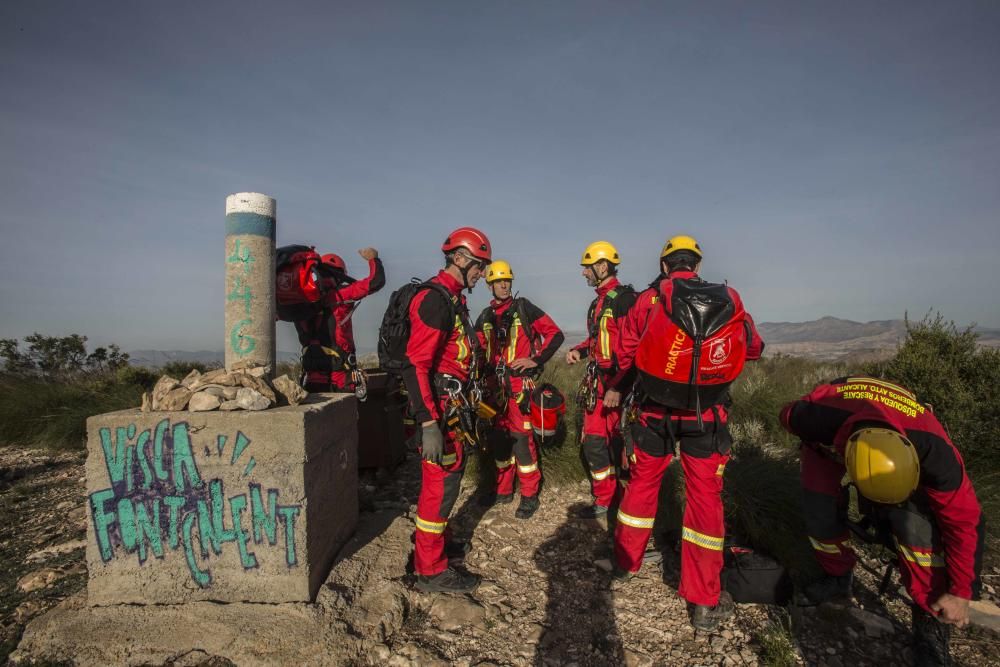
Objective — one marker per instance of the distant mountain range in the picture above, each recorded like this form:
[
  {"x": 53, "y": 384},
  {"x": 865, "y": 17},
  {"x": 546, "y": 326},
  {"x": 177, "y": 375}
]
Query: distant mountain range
[
  {"x": 831, "y": 338},
  {"x": 828, "y": 338},
  {"x": 157, "y": 358}
]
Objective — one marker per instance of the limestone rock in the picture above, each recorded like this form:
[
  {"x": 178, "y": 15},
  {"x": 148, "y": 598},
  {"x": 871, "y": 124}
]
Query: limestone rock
[
  {"x": 250, "y": 399},
  {"x": 147, "y": 402},
  {"x": 175, "y": 399},
  {"x": 290, "y": 389},
  {"x": 191, "y": 379},
  {"x": 204, "y": 401},
  {"x": 220, "y": 376},
  {"x": 163, "y": 386},
  {"x": 875, "y": 625},
  {"x": 258, "y": 385},
  {"x": 637, "y": 659},
  {"x": 34, "y": 581},
  {"x": 228, "y": 406},
  {"x": 985, "y": 614},
  {"x": 452, "y": 613},
  {"x": 56, "y": 550}
]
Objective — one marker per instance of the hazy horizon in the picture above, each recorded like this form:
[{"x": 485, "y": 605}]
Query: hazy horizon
[{"x": 835, "y": 160}]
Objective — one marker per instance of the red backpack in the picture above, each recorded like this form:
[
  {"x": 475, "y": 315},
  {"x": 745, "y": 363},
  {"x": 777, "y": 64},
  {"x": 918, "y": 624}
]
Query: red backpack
[
  {"x": 299, "y": 285},
  {"x": 690, "y": 353}
]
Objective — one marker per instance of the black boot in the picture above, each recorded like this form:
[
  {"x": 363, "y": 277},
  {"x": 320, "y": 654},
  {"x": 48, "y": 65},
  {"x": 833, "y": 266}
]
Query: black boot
[
  {"x": 449, "y": 581},
  {"x": 708, "y": 619},
  {"x": 931, "y": 640},
  {"x": 829, "y": 588},
  {"x": 456, "y": 550},
  {"x": 592, "y": 512},
  {"x": 528, "y": 506}
]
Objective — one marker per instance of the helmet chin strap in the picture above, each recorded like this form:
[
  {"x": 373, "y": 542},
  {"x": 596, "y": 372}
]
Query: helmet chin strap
[
  {"x": 593, "y": 273},
  {"x": 464, "y": 270}
]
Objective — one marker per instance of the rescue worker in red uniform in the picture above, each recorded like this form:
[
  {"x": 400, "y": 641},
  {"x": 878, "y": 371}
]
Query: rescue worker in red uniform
[
  {"x": 910, "y": 479},
  {"x": 650, "y": 446},
  {"x": 600, "y": 422},
  {"x": 519, "y": 338},
  {"x": 441, "y": 349},
  {"x": 328, "y": 349}
]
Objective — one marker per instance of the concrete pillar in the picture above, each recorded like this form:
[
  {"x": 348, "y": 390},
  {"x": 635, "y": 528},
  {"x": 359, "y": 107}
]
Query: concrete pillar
[{"x": 250, "y": 305}]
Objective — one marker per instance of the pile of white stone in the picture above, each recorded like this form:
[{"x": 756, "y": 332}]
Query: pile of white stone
[{"x": 243, "y": 387}]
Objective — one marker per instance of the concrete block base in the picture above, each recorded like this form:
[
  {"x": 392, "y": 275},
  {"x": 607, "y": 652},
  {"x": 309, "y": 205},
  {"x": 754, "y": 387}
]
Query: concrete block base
[{"x": 225, "y": 506}]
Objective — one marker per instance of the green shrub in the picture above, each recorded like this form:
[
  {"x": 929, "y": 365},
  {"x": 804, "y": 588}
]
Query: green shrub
[
  {"x": 180, "y": 369},
  {"x": 38, "y": 413},
  {"x": 947, "y": 368}
]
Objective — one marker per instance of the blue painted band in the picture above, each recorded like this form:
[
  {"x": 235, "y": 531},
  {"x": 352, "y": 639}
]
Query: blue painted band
[{"x": 239, "y": 224}]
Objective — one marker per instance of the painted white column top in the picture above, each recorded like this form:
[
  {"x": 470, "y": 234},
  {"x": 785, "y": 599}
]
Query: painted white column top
[{"x": 251, "y": 202}]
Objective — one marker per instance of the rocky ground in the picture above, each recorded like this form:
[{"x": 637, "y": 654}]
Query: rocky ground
[{"x": 545, "y": 599}]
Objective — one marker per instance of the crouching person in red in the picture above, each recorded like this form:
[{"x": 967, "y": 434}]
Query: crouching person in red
[
  {"x": 441, "y": 351},
  {"x": 911, "y": 482},
  {"x": 519, "y": 338},
  {"x": 700, "y": 333}
]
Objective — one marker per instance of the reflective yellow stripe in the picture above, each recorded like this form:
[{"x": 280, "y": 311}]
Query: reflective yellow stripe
[
  {"x": 505, "y": 464},
  {"x": 446, "y": 460},
  {"x": 605, "y": 338},
  {"x": 825, "y": 547},
  {"x": 431, "y": 526},
  {"x": 888, "y": 385},
  {"x": 463, "y": 350},
  {"x": 635, "y": 521},
  {"x": 488, "y": 334},
  {"x": 515, "y": 327},
  {"x": 921, "y": 558},
  {"x": 721, "y": 469},
  {"x": 326, "y": 350},
  {"x": 603, "y": 474},
  {"x": 524, "y": 470},
  {"x": 526, "y": 425},
  {"x": 702, "y": 540}
]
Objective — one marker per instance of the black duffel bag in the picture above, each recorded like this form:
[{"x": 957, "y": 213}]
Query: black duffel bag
[{"x": 755, "y": 577}]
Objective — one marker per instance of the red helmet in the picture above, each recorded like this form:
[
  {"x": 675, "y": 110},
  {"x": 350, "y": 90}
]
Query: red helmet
[
  {"x": 472, "y": 240},
  {"x": 335, "y": 261}
]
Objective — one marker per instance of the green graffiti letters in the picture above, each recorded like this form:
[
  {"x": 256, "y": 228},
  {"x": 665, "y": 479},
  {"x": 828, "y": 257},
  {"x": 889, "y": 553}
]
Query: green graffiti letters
[{"x": 158, "y": 502}]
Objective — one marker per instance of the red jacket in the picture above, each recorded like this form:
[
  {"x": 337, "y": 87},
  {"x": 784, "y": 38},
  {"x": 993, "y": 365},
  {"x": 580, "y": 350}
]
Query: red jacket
[
  {"x": 332, "y": 327},
  {"x": 604, "y": 324},
  {"x": 832, "y": 412},
  {"x": 437, "y": 344},
  {"x": 634, "y": 324},
  {"x": 539, "y": 342}
]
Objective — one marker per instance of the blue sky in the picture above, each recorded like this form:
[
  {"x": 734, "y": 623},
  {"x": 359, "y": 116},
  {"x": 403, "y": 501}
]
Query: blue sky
[{"x": 833, "y": 159}]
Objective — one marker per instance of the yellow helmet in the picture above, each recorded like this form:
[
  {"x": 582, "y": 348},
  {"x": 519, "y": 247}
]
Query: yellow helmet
[
  {"x": 499, "y": 270},
  {"x": 597, "y": 251},
  {"x": 882, "y": 464},
  {"x": 680, "y": 243}
]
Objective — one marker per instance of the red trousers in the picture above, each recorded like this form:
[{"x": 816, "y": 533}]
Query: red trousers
[
  {"x": 600, "y": 429},
  {"x": 439, "y": 487},
  {"x": 515, "y": 449},
  {"x": 914, "y": 529},
  {"x": 703, "y": 456}
]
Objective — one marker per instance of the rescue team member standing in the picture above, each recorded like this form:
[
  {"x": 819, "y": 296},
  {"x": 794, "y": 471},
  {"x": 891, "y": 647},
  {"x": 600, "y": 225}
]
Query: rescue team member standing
[
  {"x": 441, "y": 349},
  {"x": 704, "y": 452},
  {"x": 600, "y": 422},
  {"x": 911, "y": 480},
  {"x": 328, "y": 349},
  {"x": 519, "y": 339}
]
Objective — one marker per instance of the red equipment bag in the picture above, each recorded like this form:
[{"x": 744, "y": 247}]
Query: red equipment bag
[
  {"x": 298, "y": 282},
  {"x": 692, "y": 351},
  {"x": 548, "y": 405}
]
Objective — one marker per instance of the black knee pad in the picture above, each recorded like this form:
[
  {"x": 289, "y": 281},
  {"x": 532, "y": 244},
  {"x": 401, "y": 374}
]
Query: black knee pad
[
  {"x": 522, "y": 452},
  {"x": 595, "y": 450}
]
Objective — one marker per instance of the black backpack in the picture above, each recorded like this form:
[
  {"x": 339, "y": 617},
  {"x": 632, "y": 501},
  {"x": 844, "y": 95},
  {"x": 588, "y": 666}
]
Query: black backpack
[
  {"x": 394, "y": 332},
  {"x": 754, "y": 577}
]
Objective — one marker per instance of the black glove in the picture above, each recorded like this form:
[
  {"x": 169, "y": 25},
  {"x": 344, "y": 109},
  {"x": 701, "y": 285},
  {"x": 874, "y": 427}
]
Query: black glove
[{"x": 433, "y": 443}]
